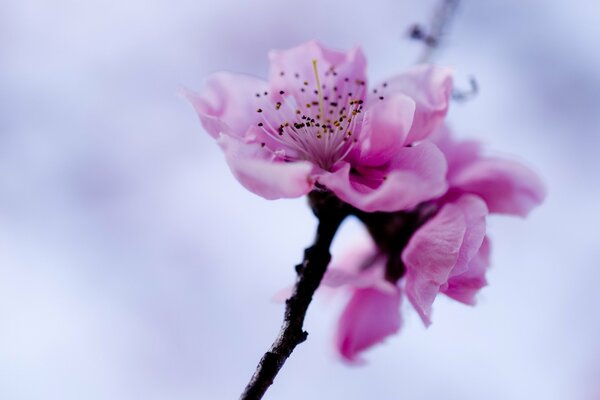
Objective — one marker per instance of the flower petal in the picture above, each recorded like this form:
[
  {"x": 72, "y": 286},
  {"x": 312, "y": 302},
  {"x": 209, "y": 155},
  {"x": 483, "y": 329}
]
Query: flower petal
[
  {"x": 416, "y": 174},
  {"x": 443, "y": 248},
  {"x": 430, "y": 256},
  {"x": 459, "y": 154},
  {"x": 260, "y": 172},
  {"x": 297, "y": 67},
  {"x": 369, "y": 317},
  {"x": 506, "y": 186},
  {"x": 475, "y": 212},
  {"x": 465, "y": 286},
  {"x": 385, "y": 128},
  {"x": 430, "y": 87},
  {"x": 227, "y": 103}
]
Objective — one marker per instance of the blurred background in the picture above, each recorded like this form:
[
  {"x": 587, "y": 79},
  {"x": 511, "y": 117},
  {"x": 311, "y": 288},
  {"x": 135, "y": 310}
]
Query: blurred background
[{"x": 134, "y": 266}]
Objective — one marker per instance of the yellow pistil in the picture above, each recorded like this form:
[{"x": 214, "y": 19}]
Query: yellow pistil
[{"x": 314, "y": 62}]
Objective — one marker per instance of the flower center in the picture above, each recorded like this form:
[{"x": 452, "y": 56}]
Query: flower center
[{"x": 314, "y": 123}]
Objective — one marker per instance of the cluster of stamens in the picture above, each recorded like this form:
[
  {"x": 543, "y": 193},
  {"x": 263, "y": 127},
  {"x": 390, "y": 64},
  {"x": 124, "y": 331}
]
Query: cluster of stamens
[{"x": 317, "y": 122}]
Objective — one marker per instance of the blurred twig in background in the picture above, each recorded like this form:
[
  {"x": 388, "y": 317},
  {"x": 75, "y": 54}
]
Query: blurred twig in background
[{"x": 434, "y": 36}]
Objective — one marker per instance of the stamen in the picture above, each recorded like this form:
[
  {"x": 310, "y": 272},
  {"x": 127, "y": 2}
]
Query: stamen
[
  {"x": 317, "y": 123},
  {"x": 314, "y": 62}
]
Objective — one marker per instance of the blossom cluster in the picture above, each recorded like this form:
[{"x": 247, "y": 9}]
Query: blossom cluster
[{"x": 315, "y": 124}]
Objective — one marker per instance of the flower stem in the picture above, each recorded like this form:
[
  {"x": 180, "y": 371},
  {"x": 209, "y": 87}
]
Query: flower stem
[{"x": 330, "y": 212}]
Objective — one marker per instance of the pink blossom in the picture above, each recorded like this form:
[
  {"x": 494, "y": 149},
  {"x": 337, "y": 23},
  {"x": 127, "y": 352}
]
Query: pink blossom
[
  {"x": 315, "y": 124},
  {"x": 448, "y": 253}
]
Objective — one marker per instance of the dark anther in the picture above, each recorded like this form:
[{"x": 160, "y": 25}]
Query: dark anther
[
  {"x": 259, "y": 110},
  {"x": 281, "y": 92},
  {"x": 260, "y": 124}
]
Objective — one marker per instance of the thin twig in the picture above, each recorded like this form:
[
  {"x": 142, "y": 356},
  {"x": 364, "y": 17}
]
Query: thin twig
[
  {"x": 330, "y": 212},
  {"x": 440, "y": 23}
]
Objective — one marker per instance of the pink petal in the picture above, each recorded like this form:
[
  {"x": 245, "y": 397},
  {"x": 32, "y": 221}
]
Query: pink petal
[
  {"x": 459, "y": 154},
  {"x": 430, "y": 255},
  {"x": 227, "y": 103},
  {"x": 415, "y": 174},
  {"x": 443, "y": 248},
  {"x": 465, "y": 286},
  {"x": 506, "y": 186},
  {"x": 385, "y": 128},
  {"x": 475, "y": 212},
  {"x": 369, "y": 317},
  {"x": 258, "y": 170},
  {"x": 298, "y": 60},
  {"x": 430, "y": 87}
]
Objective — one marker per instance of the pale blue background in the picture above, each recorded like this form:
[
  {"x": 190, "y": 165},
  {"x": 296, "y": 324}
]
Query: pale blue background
[{"x": 133, "y": 266}]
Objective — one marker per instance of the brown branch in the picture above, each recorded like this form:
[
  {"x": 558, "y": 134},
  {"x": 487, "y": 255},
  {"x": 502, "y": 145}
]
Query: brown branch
[
  {"x": 331, "y": 212},
  {"x": 434, "y": 36}
]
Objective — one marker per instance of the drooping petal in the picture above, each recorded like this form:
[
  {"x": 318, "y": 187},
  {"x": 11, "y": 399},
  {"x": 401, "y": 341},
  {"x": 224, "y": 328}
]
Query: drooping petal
[
  {"x": 291, "y": 68},
  {"x": 465, "y": 286},
  {"x": 369, "y": 317},
  {"x": 506, "y": 186},
  {"x": 259, "y": 171},
  {"x": 430, "y": 255},
  {"x": 416, "y": 174},
  {"x": 430, "y": 87},
  {"x": 475, "y": 212},
  {"x": 443, "y": 248},
  {"x": 227, "y": 103},
  {"x": 384, "y": 129}
]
